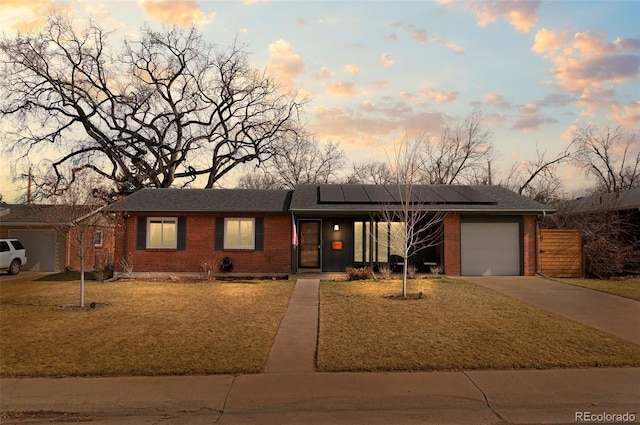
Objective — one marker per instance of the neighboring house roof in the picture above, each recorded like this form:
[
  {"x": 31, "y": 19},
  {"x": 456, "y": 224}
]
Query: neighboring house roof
[
  {"x": 368, "y": 198},
  {"x": 616, "y": 201},
  {"x": 33, "y": 215},
  {"x": 204, "y": 201}
]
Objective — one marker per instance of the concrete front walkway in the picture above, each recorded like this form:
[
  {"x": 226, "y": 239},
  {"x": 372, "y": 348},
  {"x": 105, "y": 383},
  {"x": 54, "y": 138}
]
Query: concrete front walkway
[
  {"x": 294, "y": 348},
  {"x": 610, "y": 313}
]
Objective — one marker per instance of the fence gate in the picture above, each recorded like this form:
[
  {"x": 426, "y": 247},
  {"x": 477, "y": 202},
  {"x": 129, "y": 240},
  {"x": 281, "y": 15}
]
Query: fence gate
[{"x": 560, "y": 253}]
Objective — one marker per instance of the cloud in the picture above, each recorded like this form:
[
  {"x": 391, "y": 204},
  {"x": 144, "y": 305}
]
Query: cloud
[
  {"x": 530, "y": 118},
  {"x": 21, "y": 15},
  {"x": 371, "y": 124},
  {"x": 324, "y": 74},
  {"x": 300, "y": 22},
  {"x": 183, "y": 13},
  {"x": 341, "y": 89},
  {"x": 352, "y": 69},
  {"x": 588, "y": 66},
  {"x": 498, "y": 100},
  {"x": 418, "y": 35},
  {"x": 385, "y": 61},
  {"x": 391, "y": 37},
  {"x": 549, "y": 41},
  {"x": 628, "y": 115},
  {"x": 521, "y": 14},
  {"x": 284, "y": 63},
  {"x": 455, "y": 48},
  {"x": 429, "y": 94}
]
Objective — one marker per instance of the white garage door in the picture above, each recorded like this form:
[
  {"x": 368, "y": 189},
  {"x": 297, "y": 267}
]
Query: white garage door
[
  {"x": 41, "y": 248},
  {"x": 490, "y": 249}
]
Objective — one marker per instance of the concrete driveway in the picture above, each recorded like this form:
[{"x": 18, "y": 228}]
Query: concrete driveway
[{"x": 610, "y": 313}]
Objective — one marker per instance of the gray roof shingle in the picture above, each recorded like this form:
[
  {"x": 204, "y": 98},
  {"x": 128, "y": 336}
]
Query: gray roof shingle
[
  {"x": 205, "y": 201},
  {"x": 617, "y": 201}
]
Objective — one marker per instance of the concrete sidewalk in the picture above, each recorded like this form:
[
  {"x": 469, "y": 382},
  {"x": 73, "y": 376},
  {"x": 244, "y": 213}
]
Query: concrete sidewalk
[
  {"x": 610, "y": 313},
  {"x": 474, "y": 397}
]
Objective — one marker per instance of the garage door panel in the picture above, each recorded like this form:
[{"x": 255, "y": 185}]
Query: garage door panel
[
  {"x": 40, "y": 247},
  {"x": 490, "y": 249}
]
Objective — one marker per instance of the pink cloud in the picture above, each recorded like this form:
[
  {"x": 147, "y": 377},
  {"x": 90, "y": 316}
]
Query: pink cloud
[
  {"x": 386, "y": 61},
  {"x": 25, "y": 15},
  {"x": 284, "y": 63},
  {"x": 531, "y": 119},
  {"x": 183, "y": 13},
  {"x": 352, "y": 69},
  {"x": 521, "y": 14},
  {"x": 341, "y": 89}
]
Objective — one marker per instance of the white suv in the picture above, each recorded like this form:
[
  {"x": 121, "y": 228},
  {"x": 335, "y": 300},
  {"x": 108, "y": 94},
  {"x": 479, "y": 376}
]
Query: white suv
[{"x": 12, "y": 255}]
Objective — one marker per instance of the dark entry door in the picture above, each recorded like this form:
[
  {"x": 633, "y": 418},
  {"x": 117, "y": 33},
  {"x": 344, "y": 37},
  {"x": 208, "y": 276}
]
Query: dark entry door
[{"x": 310, "y": 243}]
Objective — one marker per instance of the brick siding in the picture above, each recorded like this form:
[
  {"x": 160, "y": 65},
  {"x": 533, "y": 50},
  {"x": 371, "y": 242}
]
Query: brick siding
[
  {"x": 452, "y": 264},
  {"x": 200, "y": 243}
]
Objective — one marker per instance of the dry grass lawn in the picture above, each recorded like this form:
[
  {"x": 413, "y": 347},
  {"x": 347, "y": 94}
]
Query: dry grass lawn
[
  {"x": 627, "y": 287},
  {"x": 146, "y": 328},
  {"x": 457, "y": 325}
]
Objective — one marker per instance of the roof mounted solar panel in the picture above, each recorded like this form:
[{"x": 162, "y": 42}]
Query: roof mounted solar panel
[
  {"x": 379, "y": 194},
  {"x": 330, "y": 194},
  {"x": 355, "y": 193},
  {"x": 426, "y": 195},
  {"x": 448, "y": 195},
  {"x": 473, "y": 196}
]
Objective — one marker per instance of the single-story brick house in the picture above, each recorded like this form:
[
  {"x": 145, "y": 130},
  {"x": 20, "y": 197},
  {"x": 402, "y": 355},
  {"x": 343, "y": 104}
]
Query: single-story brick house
[
  {"x": 321, "y": 228},
  {"x": 44, "y": 231}
]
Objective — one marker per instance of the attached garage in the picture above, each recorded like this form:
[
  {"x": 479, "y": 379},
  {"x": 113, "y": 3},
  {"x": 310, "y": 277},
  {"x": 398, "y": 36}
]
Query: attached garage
[
  {"x": 490, "y": 248},
  {"x": 40, "y": 246}
]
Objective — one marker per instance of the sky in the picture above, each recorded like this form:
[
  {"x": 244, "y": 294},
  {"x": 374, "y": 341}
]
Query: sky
[{"x": 374, "y": 71}]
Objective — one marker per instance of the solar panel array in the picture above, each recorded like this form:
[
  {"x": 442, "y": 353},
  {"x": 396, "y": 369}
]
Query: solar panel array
[{"x": 390, "y": 194}]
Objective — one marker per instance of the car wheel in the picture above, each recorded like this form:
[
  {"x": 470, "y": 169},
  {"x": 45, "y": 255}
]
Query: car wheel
[{"x": 14, "y": 268}]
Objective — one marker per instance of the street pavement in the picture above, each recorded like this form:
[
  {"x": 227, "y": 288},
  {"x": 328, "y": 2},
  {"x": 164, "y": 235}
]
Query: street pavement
[{"x": 289, "y": 392}]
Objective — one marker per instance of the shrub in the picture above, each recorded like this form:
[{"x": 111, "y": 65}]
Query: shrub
[
  {"x": 385, "y": 271},
  {"x": 359, "y": 273}
]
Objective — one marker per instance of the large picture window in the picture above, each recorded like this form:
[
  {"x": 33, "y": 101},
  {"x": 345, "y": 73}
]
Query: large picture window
[
  {"x": 377, "y": 241},
  {"x": 162, "y": 232},
  {"x": 239, "y": 233}
]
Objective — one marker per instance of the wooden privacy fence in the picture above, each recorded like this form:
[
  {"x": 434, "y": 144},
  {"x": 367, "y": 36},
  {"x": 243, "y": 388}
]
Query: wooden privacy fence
[{"x": 560, "y": 253}]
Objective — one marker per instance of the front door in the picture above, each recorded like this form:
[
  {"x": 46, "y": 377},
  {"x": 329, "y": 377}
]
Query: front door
[{"x": 310, "y": 243}]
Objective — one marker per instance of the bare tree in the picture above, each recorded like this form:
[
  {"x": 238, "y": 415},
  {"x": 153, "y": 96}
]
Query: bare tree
[
  {"x": 538, "y": 179},
  {"x": 298, "y": 160},
  {"x": 416, "y": 224},
  {"x": 78, "y": 215},
  {"x": 610, "y": 155},
  {"x": 164, "y": 109},
  {"x": 370, "y": 172},
  {"x": 460, "y": 154}
]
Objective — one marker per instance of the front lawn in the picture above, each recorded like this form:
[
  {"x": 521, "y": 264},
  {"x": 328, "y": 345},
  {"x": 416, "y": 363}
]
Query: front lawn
[
  {"x": 145, "y": 328},
  {"x": 456, "y": 325},
  {"x": 627, "y": 287}
]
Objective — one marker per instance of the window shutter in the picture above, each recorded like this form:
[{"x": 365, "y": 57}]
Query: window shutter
[
  {"x": 182, "y": 234},
  {"x": 141, "y": 237},
  {"x": 219, "y": 242},
  {"x": 259, "y": 235}
]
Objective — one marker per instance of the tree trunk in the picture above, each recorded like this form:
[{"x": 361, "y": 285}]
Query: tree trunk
[{"x": 82, "y": 282}]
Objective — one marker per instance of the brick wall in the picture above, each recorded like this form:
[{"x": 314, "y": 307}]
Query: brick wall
[
  {"x": 452, "y": 265},
  {"x": 530, "y": 246},
  {"x": 200, "y": 243}
]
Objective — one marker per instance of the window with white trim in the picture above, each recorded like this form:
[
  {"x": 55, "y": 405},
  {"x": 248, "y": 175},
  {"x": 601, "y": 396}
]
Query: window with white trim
[
  {"x": 162, "y": 232},
  {"x": 98, "y": 238},
  {"x": 239, "y": 233}
]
